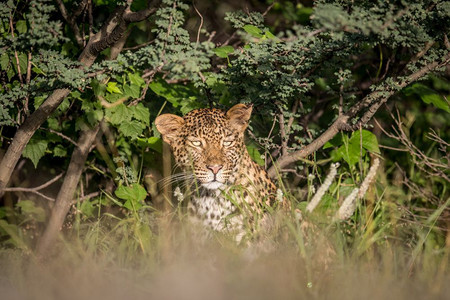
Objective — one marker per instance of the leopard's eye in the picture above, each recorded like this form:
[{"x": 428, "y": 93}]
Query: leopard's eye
[
  {"x": 227, "y": 143},
  {"x": 196, "y": 143}
]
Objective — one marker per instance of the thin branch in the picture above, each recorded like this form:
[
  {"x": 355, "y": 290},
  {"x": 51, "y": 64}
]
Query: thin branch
[
  {"x": 341, "y": 99},
  {"x": 143, "y": 94},
  {"x": 428, "y": 45},
  {"x": 315, "y": 32},
  {"x": 44, "y": 185},
  {"x": 395, "y": 18},
  {"x": 107, "y": 104},
  {"x": 284, "y": 141},
  {"x": 88, "y": 196},
  {"x": 139, "y": 46},
  {"x": 91, "y": 19},
  {"x": 292, "y": 117},
  {"x": 201, "y": 23},
  {"x": 71, "y": 20},
  {"x": 268, "y": 9},
  {"x": 61, "y": 135},
  {"x": 19, "y": 73},
  {"x": 36, "y": 190},
  {"x": 446, "y": 42}
]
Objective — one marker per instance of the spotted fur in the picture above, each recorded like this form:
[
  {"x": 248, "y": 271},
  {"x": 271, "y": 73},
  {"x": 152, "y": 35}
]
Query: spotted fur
[{"x": 209, "y": 143}]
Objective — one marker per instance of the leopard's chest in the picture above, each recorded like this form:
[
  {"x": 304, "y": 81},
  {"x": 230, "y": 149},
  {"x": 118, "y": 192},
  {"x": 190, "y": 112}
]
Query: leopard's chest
[{"x": 214, "y": 211}]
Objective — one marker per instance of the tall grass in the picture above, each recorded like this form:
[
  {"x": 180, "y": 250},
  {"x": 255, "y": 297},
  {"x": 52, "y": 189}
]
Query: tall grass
[{"x": 378, "y": 253}]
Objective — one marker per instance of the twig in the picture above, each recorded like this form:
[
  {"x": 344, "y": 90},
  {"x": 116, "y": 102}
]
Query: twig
[
  {"x": 88, "y": 196},
  {"x": 315, "y": 32},
  {"x": 446, "y": 42},
  {"x": 144, "y": 92},
  {"x": 392, "y": 20},
  {"x": 91, "y": 19},
  {"x": 201, "y": 22},
  {"x": 341, "y": 100},
  {"x": 139, "y": 46},
  {"x": 106, "y": 104},
  {"x": 268, "y": 9},
  {"x": 211, "y": 36},
  {"x": 71, "y": 19},
  {"x": 283, "y": 134},
  {"x": 36, "y": 190},
  {"x": 61, "y": 135},
  {"x": 19, "y": 73},
  {"x": 229, "y": 39},
  {"x": 292, "y": 117}
]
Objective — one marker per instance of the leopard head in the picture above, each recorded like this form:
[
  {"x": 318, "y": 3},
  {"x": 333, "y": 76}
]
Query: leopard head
[{"x": 208, "y": 143}]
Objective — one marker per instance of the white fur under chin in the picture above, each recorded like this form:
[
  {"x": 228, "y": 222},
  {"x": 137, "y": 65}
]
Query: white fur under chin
[{"x": 213, "y": 185}]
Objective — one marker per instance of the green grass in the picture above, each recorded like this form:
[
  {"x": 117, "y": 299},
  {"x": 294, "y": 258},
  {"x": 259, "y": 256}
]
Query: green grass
[{"x": 382, "y": 251}]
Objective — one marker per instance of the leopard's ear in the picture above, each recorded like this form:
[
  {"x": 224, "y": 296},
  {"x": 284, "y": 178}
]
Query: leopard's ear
[
  {"x": 169, "y": 126},
  {"x": 239, "y": 116}
]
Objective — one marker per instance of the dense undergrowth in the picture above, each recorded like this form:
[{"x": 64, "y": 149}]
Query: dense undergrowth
[{"x": 373, "y": 73}]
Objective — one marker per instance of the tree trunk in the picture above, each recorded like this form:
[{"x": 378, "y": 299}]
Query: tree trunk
[
  {"x": 65, "y": 195},
  {"x": 24, "y": 134}
]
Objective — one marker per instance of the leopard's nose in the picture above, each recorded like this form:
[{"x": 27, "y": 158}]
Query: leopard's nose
[{"x": 214, "y": 168}]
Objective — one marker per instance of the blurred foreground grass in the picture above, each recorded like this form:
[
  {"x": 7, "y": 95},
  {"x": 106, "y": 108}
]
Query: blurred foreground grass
[{"x": 374, "y": 255}]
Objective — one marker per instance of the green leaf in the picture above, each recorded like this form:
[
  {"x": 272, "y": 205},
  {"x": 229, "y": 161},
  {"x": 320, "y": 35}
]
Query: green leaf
[
  {"x": 119, "y": 114},
  {"x": 113, "y": 89},
  {"x": 4, "y": 61},
  {"x": 350, "y": 148},
  {"x": 255, "y": 155},
  {"x": 23, "y": 63},
  {"x": 38, "y": 100},
  {"x": 133, "y": 195},
  {"x": 12, "y": 231},
  {"x": 253, "y": 31},
  {"x": 369, "y": 140},
  {"x": 174, "y": 93},
  {"x": 98, "y": 88},
  {"x": 141, "y": 113},
  {"x": 153, "y": 142},
  {"x": 189, "y": 104},
  {"x": 350, "y": 152},
  {"x": 334, "y": 142},
  {"x": 428, "y": 95},
  {"x": 161, "y": 88},
  {"x": 21, "y": 26},
  {"x": 34, "y": 212},
  {"x": 134, "y": 91},
  {"x": 136, "y": 79},
  {"x": 87, "y": 208},
  {"x": 223, "y": 51},
  {"x": 94, "y": 116},
  {"x": 132, "y": 128},
  {"x": 270, "y": 35},
  {"x": 35, "y": 149},
  {"x": 437, "y": 100},
  {"x": 59, "y": 151}
]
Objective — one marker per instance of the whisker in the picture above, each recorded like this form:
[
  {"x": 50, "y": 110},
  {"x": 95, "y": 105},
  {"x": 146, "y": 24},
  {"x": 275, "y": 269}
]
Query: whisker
[
  {"x": 175, "y": 178},
  {"x": 172, "y": 177}
]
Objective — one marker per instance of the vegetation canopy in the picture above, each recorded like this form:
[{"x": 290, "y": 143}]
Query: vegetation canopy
[{"x": 350, "y": 118}]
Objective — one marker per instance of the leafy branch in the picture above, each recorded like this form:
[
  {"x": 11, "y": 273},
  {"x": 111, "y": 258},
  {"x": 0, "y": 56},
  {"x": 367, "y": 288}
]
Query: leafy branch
[{"x": 374, "y": 100}]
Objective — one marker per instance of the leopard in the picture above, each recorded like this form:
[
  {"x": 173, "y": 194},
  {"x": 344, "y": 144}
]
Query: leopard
[{"x": 208, "y": 146}]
